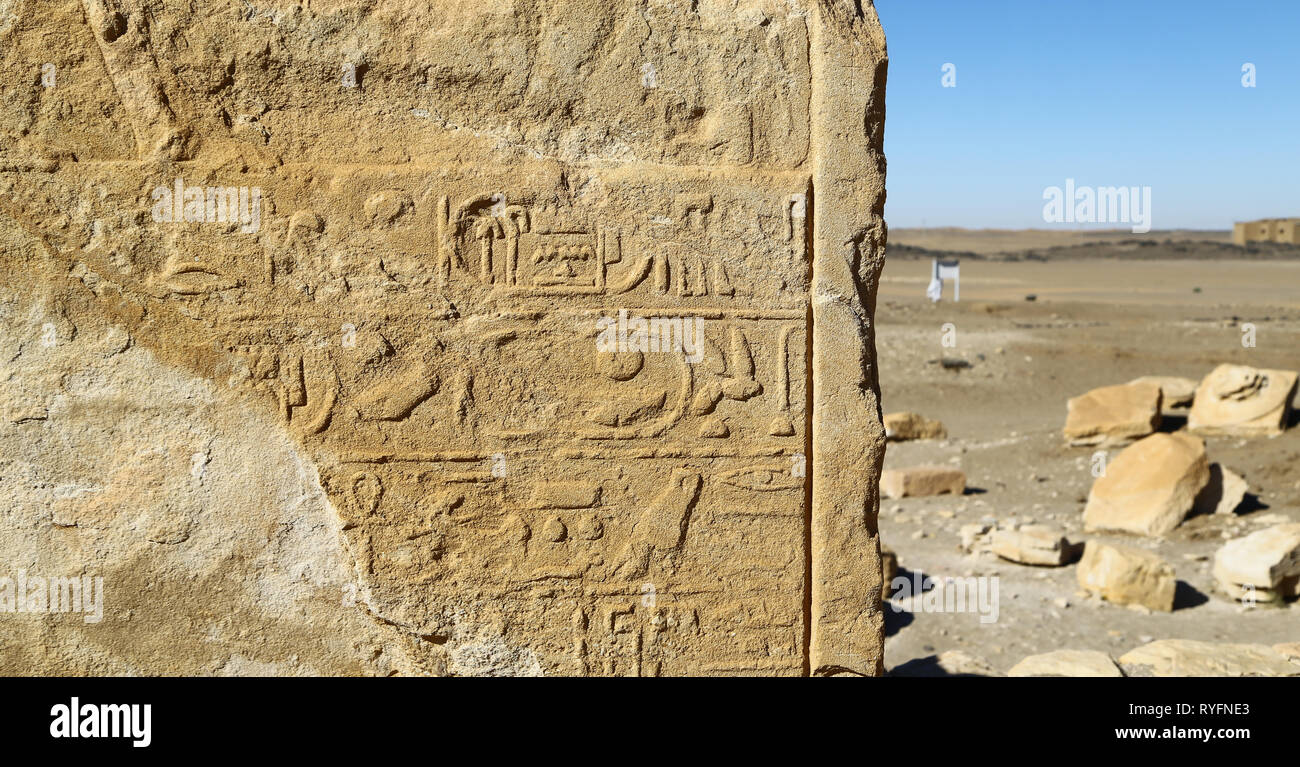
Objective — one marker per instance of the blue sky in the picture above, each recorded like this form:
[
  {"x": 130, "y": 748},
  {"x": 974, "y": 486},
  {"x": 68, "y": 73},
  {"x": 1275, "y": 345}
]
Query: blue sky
[{"x": 1107, "y": 92}]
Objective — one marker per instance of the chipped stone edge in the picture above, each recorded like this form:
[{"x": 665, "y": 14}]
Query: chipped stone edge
[{"x": 847, "y": 114}]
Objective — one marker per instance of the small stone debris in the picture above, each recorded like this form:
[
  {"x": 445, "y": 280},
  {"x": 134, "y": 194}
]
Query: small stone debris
[{"x": 919, "y": 481}]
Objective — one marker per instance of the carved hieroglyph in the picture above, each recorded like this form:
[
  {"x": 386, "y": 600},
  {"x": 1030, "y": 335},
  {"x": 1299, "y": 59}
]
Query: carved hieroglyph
[{"x": 568, "y": 303}]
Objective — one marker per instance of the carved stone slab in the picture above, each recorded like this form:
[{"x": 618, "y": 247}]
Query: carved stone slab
[{"x": 571, "y": 307}]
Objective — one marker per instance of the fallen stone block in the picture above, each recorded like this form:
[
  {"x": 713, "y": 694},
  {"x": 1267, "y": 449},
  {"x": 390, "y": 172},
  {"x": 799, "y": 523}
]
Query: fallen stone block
[
  {"x": 1242, "y": 401},
  {"x": 1067, "y": 663},
  {"x": 1113, "y": 415},
  {"x": 1223, "y": 493},
  {"x": 1149, "y": 487},
  {"x": 922, "y": 481},
  {"x": 1186, "y": 657},
  {"x": 1263, "y": 566},
  {"x": 1127, "y": 576},
  {"x": 1175, "y": 392},
  {"x": 904, "y": 427},
  {"x": 1033, "y": 545}
]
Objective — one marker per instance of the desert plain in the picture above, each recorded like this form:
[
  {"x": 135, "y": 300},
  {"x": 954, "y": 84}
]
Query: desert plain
[{"x": 1106, "y": 308}]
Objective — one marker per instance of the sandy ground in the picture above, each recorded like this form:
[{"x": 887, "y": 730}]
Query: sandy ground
[{"x": 1095, "y": 322}]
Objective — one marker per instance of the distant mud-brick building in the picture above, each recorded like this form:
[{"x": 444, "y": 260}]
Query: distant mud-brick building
[{"x": 1284, "y": 230}]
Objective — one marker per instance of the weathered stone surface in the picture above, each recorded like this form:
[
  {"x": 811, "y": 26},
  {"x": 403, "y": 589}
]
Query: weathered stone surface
[
  {"x": 1125, "y": 575},
  {"x": 888, "y": 569},
  {"x": 920, "y": 481},
  {"x": 1149, "y": 487},
  {"x": 1223, "y": 493},
  {"x": 1186, "y": 657},
  {"x": 446, "y": 337},
  {"x": 1074, "y": 663},
  {"x": 1113, "y": 415},
  {"x": 1032, "y": 545},
  {"x": 904, "y": 427},
  {"x": 1263, "y": 566},
  {"x": 1242, "y": 401},
  {"x": 1175, "y": 392}
]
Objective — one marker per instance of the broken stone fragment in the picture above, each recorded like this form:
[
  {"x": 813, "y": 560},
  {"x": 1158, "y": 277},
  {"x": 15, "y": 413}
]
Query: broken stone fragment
[
  {"x": 921, "y": 481},
  {"x": 1113, "y": 415},
  {"x": 976, "y": 539},
  {"x": 1150, "y": 486},
  {"x": 1127, "y": 576},
  {"x": 1242, "y": 401},
  {"x": 1067, "y": 663},
  {"x": 1186, "y": 657},
  {"x": 1263, "y": 566},
  {"x": 1033, "y": 545},
  {"x": 1176, "y": 392},
  {"x": 902, "y": 427},
  {"x": 1224, "y": 492}
]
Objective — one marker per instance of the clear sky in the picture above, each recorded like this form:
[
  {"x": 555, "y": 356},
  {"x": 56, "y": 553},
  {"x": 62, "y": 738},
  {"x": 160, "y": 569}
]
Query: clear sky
[{"x": 1107, "y": 92}]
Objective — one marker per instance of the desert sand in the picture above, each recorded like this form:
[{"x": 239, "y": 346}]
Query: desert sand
[{"x": 1095, "y": 322}]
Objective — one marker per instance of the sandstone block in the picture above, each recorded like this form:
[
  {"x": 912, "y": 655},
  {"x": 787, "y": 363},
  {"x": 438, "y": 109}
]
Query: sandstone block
[
  {"x": 1186, "y": 657},
  {"x": 1149, "y": 487},
  {"x": 903, "y": 427},
  {"x": 922, "y": 481},
  {"x": 1113, "y": 415},
  {"x": 1223, "y": 493},
  {"x": 1073, "y": 663},
  {"x": 1264, "y": 566},
  {"x": 1175, "y": 392},
  {"x": 1126, "y": 575},
  {"x": 1242, "y": 401},
  {"x": 1032, "y": 545}
]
